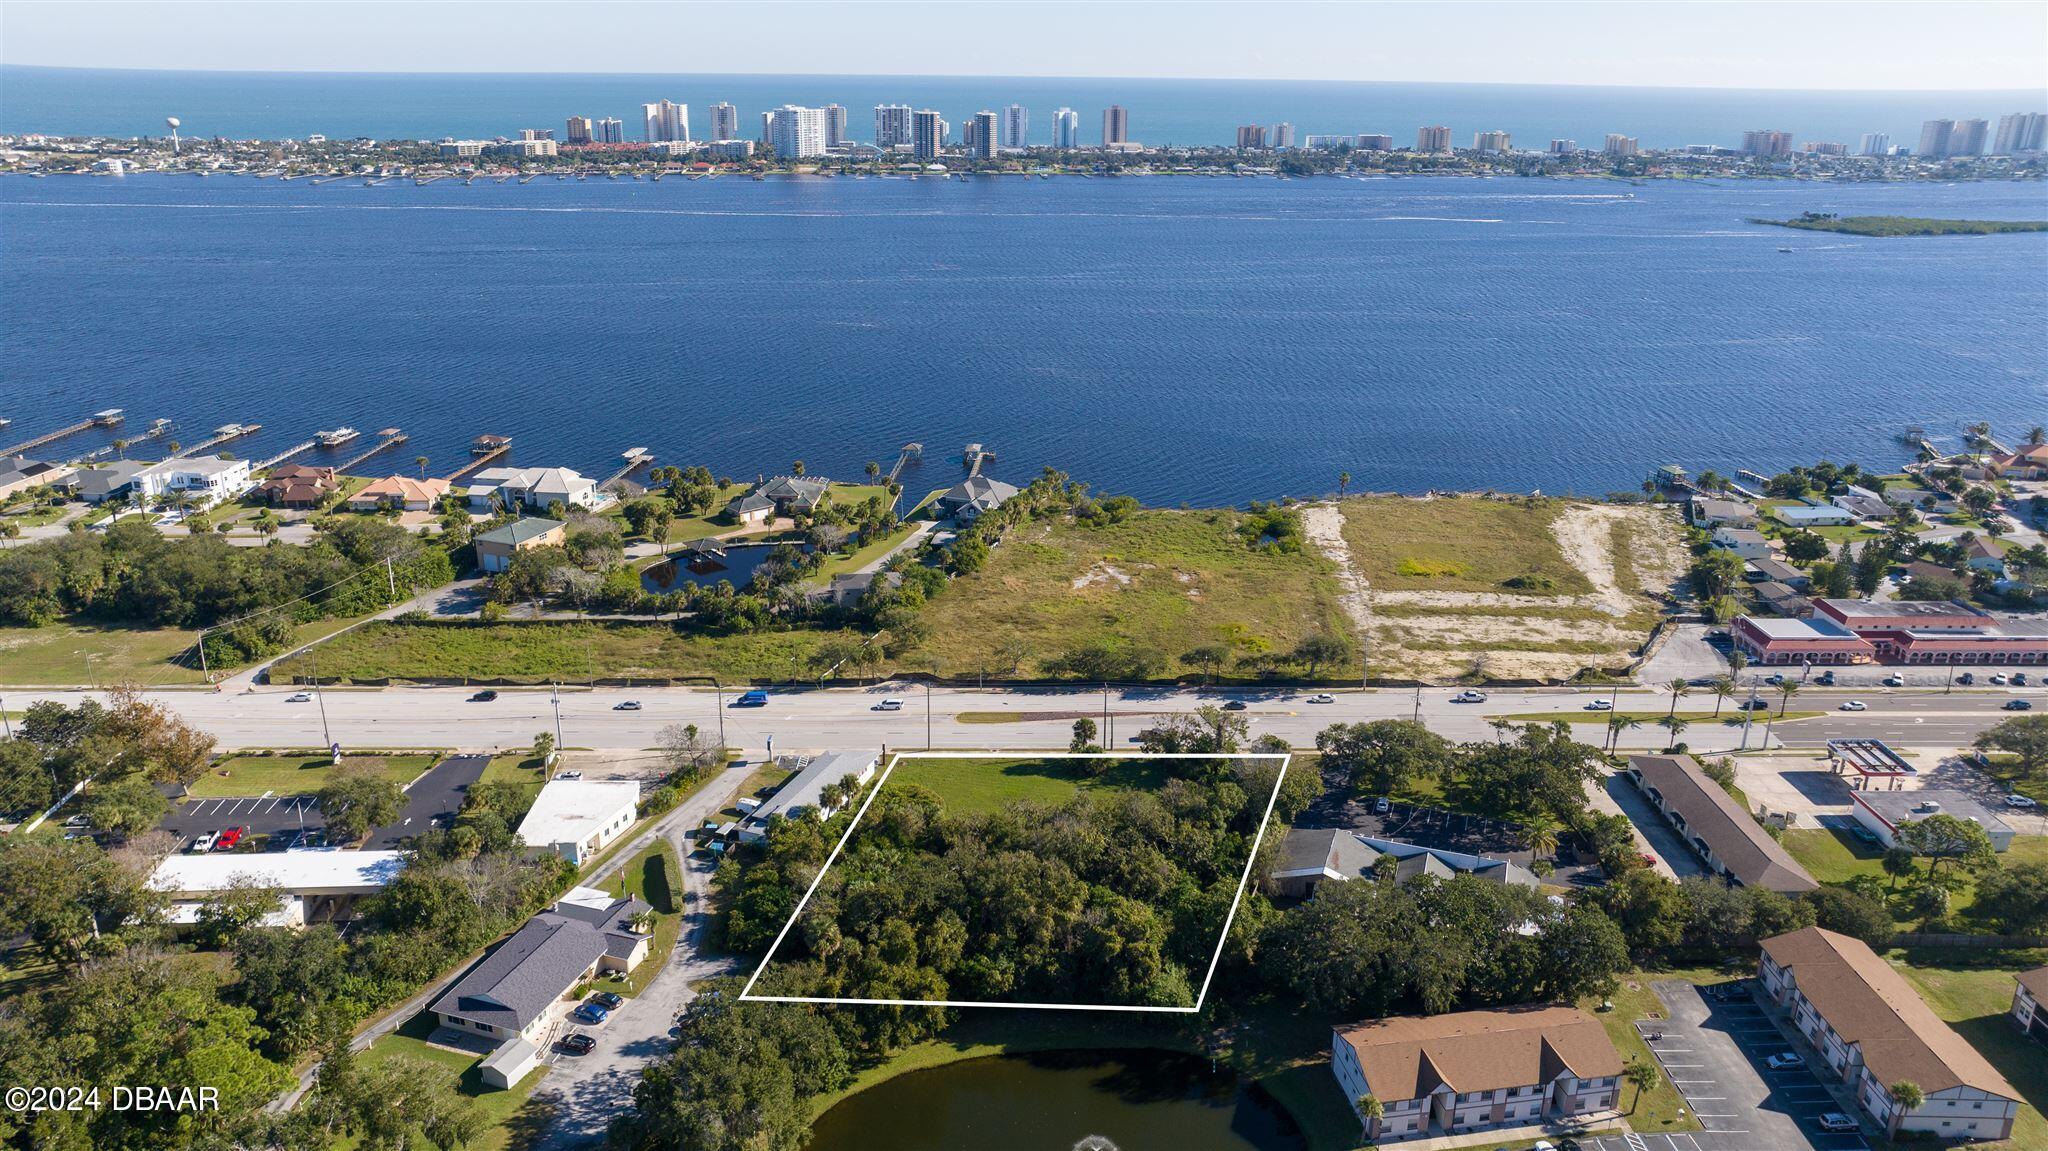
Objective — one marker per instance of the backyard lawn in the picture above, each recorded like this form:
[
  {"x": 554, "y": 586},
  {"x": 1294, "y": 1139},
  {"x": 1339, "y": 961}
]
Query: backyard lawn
[
  {"x": 655, "y": 875},
  {"x": 1972, "y": 990},
  {"x": 297, "y": 773},
  {"x": 1161, "y": 583},
  {"x": 1659, "y": 1108},
  {"x": 1836, "y": 857},
  {"x": 984, "y": 785},
  {"x": 510, "y": 1120}
]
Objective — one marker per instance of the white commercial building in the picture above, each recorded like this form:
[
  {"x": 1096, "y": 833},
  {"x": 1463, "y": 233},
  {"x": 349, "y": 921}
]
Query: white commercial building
[
  {"x": 315, "y": 886},
  {"x": 576, "y": 818},
  {"x": 795, "y": 132}
]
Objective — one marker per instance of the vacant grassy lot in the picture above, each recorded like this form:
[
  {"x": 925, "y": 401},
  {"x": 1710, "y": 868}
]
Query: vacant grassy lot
[
  {"x": 1459, "y": 545},
  {"x": 75, "y": 653},
  {"x": 980, "y": 785},
  {"x": 549, "y": 652},
  {"x": 839, "y": 563},
  {"x": 1972, "y": 990},
  {"x": 297, "y": 773},
  {"x": 655, "y": 875},
  {"x": 1835, "y": 857},
  {"x": 511, "y": 1120},
  {"x": 1168, "y": 581}
]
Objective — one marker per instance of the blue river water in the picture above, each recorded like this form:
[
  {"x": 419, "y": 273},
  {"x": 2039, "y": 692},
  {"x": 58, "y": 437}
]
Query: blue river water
[
  {"x": 277, "y": 105},
  {"x": 1179, "y": 339}
]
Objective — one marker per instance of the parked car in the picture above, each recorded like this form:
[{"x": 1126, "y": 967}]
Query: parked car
[
  {"x": 1825, "y": 679},
  {"x": 484, "y": 696},
  {"x": 568, "y": 775},
  {"x": 300, "y": 697},
  {"x": 2019, "y": 679},
  {"x": 627, "y": 705},
  {"x": 283, "y": 840},
  {"x": 202, "y": 843},
  {"x": 1322, "y": 697},
  {"x": 1895, "y": 680},
  {"x": 1853, "y": 705},
  {"x": 1775, "y": 678},
  {"x": 1999, "y": 680},
  {"x": 751, "y": 699},
  {"x": 2020, "y": 801},
  {"x": 609, "y": 1000},
  {"x": 1967, "y": 678},
  {"x": 229, "y": 838},
  {"x": 888, "y": 705},
  {"x": 579, "y": 1044},
  {"x": 1785, "y": 1061},
  {"x": 2018, "y": 705},
  {"x": 1864, "y": 834},
  {"x": 1234, "y": 705},
  {"x": 1835, "y": 1121},
  {"x": 1469, "y": 696},
  {"x": 1382, "y": 805},
  {"x": 1600, "y": 705},
  {"x": 590, "y": 1013}
]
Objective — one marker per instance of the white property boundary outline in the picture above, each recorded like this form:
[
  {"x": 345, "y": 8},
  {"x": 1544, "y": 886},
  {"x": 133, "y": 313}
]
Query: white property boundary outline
[{"x": 747, "y": 993}]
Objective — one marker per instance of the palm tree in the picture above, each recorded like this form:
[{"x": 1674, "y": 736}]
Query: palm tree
[
  {"x": 1343, "y": 482},
  {"x": 422, "y": 462},
  {"x": 1908, "y": 1096},
  {"x": 1723, "y": 686},
  {"x": 1676, "y": 725},
  {"x": 121, "y": 449},
  {"x": 1786, "y": 691},
  {"x": 1370, "y": 1107},
  {"x": 1641, "y": 1075},
  {"x": 1539, "y": 834},
  {"x": 1616, "y": 724},
  {"x": 2036, "y": 436},
  {"x": 796, "y": 468},
  {"x": 1678, "y": 688},
  {"x": 873, "y": 469}
]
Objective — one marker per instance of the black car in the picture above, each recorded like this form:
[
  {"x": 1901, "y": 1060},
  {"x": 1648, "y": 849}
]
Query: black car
[
  {"x": 2018, "y": 705},
  {"x": 609, "y": 1000},
  {"x": 1753, "y": 705},
  {"x": 2019, "y": 679},
  {"x": 579, "y": 1044},
  {"x": 483, "y": 697},
  {"x": 1234, "y": 705},
  {"x": 1967, "y": 678}
]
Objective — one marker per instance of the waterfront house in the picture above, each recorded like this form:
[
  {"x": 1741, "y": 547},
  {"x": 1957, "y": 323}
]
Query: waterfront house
[
  {"x": 299, "y": 486},
  {"x": 2030, "y": 1003},
  {"x": 1717, "y": 828},
  {"x": 1476, "y": 1070},
  {"x": 518, "y": 991},
  {"x": 1885, "y": 812},
  {"x": 1872, "y": 1030},
  {"x": 803, "y": 794},
  {"x": 2028, "y": 463},
  {"x": 1309, "y": 856},
  {"x": 1809, "y": 515},
  {"x": 795, "y": 494},
  {"x": 751, "y": 510},
  {"x": 207, "y": 481},
  {"x": 107, "y": 481},
  {"x": 535, "y": 489},
  {"x": 19, "y": 474},
  {"x": 1710, "y": 512},
  {"x": 495, "y": 548},
  {"x": 401, "y": 492},
  {"x": 1861, "y": 503},
  {"x": 576, "y": 818},
  {"x": 1747, "y": 543},
  {"x": 967, "y": 500}
]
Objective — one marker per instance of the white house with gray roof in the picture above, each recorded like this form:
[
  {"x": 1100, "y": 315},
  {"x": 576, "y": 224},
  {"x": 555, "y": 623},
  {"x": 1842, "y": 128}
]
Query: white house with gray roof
[
  {"x": 804, "y": 793},
  {"x": 968, "y": 499},
  {"x": 1312, "y": 855}
]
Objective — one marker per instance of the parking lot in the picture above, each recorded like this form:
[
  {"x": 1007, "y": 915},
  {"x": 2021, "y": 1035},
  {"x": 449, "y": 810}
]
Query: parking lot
[
  {"x": 260, "y": 815},
  {"x": 1713, "y": 1052}
]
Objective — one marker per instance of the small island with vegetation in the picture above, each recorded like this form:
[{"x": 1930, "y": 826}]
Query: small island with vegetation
[{"x": 1903, "y": 225}]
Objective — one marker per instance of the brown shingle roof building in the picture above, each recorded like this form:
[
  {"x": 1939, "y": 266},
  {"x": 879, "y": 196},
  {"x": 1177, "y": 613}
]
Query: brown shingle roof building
[
  {"x": 1873, "y": 1031},
  {"x": 1734, "y": 845},
  {"x": 298, "y": 485}
]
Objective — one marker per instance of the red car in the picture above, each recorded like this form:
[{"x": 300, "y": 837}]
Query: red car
[{"x": 229, "y": 838}]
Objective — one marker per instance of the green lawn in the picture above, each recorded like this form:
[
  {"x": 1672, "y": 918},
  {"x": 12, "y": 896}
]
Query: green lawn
[
  {"x": 983, "y": 785},
  {"x": 655, "y": 875},
  {"x": 1461, "y": 544},
  {"x": 2005, "y": 768},
  {"x": 1972, "y": 990},
  {"x": 1835, "y": 857},
  {"x": 1659, "y": 1108},
  {"x": 841, "y": 562},
  {"x": 759, "y": 784},
  {"x": 512, "y": 1120},
  {"x": 849, "y": 495},
  {"x": 297, "y": 773},
  {"x": 1166, "y": 582},
  {"x": 78, "y": 653},
  {"x": 683, "y": 529}
]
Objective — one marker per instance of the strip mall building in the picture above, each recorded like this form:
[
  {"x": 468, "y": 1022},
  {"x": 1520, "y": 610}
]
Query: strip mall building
[{"x": 1845, "y": 631}]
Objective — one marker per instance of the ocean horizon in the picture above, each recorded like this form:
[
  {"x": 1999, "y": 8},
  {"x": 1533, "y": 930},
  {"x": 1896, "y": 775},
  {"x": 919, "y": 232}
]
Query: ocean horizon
[{"x": 279, "y": 105}]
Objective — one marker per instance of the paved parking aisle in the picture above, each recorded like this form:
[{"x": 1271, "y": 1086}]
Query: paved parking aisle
[
  {"x": 261, "y": 815},
  {"x": 1713, "y": 1054}
]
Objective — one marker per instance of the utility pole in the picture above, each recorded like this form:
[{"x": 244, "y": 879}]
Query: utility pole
[
  {"x": 3, "y": 718},
  {"x": 320, "y": 697},
  {"x": 720, "y": 690},
  {"x": 391, "y": 577},
  {"x": 555, "y": 696},
  {"x": 1748, "y": 716},
  {"x": 1418, "y": 703},
  {"x": 1105, "y": 715},
  {"x": 201, "y": 645},
  {"x": 927, "y": 715}
]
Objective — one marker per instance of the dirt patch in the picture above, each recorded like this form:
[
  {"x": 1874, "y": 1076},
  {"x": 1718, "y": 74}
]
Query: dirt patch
[
  {"x": 1324, "y": 524},
  {"x": 1102, "y": 573}
]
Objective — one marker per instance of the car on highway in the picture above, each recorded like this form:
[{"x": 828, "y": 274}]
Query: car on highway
[
  {"x": 484, "y": 696},
  {"x": 2018, "y": 705},
  {"x": 1895, "y": 680},
  {"x": 300, "y": 697},
  {"x": 888, "y": 705},
  {"x": 751, "y": 699},
  {"x": 229, "y": 838},
  {"x": 1753, "y": 705},
  {"x": 2016, "y": 800},
  {"x": 1785, "y": 1061},
  {"x": 609, "y": 1000},
  {"x": 1234, "y": 705},
  {"x": 1600, "y": 705},
  {"x": 590, "y": 1013},
  {"x": 1322, "y": 697},
  {"x": 1853, "y": 705},
  {"x": 627, "y": 705},
  {"x": 1835, "y": 1122},
  {"x": 1469, "y": 696},
  {"x": 579, "y": 1044}
]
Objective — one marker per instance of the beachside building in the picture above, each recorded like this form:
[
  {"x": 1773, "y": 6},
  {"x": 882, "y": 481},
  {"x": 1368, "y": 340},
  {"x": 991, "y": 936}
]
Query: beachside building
[
  {"x": 795, "y": 494},
  {"x": 1748, "y": 543},
  {"x": 1310, "y": 856},
  {"x": 1477, "y": 1070},
  {"x": 1709, "y": 512},
  {"x": 2030, "y": 1003},
  {"x": 208, "y": 481},
  {"x": 401, "y": 492},
  {"x": 1885, "y": 812},
  {"x": 19, "y": 474},
  {"x": 107, "y": 481},
  {"x": 577, "y": 818},
  {"x": 495, "y": 548},
  {"x": 2028, "y": 463},
  {"x": 1810, "y": 515},
  {"x": 803, "y": 794},
  {"x": 1872, "y": 1031},
  {"x": 1718, "y": 829}
]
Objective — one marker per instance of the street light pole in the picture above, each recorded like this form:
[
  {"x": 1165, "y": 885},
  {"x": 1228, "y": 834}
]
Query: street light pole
[
  {"x": 927, "y": 715},
  {"x": 320, "y": 697},
  {"x": 1748, "y": 716},
  {"x": 719, "y": 689},
  {"x": 555, "y": 696}
]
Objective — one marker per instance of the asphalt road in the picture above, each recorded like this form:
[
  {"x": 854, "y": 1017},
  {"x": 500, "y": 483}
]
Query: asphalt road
[{"x": 844, "y": 717}]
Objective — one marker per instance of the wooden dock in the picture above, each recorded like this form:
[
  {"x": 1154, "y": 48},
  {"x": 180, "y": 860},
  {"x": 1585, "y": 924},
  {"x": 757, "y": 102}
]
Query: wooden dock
[
  {"x": 911, "y": 451},
  {"x": 106, "y": 419},
  {"x": 478, "y": 460},
  {"x": 388, "y": 438},
  {"x": 974, "y": 456},
  {"x": 221, "y": 435},
  {"x": 635, "y": 458},
  {"x": 286, "y": 454}
]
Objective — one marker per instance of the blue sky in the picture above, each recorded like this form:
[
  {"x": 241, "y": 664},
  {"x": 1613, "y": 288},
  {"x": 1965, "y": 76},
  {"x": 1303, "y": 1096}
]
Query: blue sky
[{"x": 1786, "y": 44}]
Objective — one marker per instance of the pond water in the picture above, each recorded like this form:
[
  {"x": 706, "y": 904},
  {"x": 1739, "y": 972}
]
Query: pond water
[
  {"x": 735, "y": 566},
  {"x": 1052, "y": 1101}
]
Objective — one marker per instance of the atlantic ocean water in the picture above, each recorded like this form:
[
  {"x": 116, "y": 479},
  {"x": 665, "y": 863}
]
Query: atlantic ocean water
[{"x": 1180, "y": 339}]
